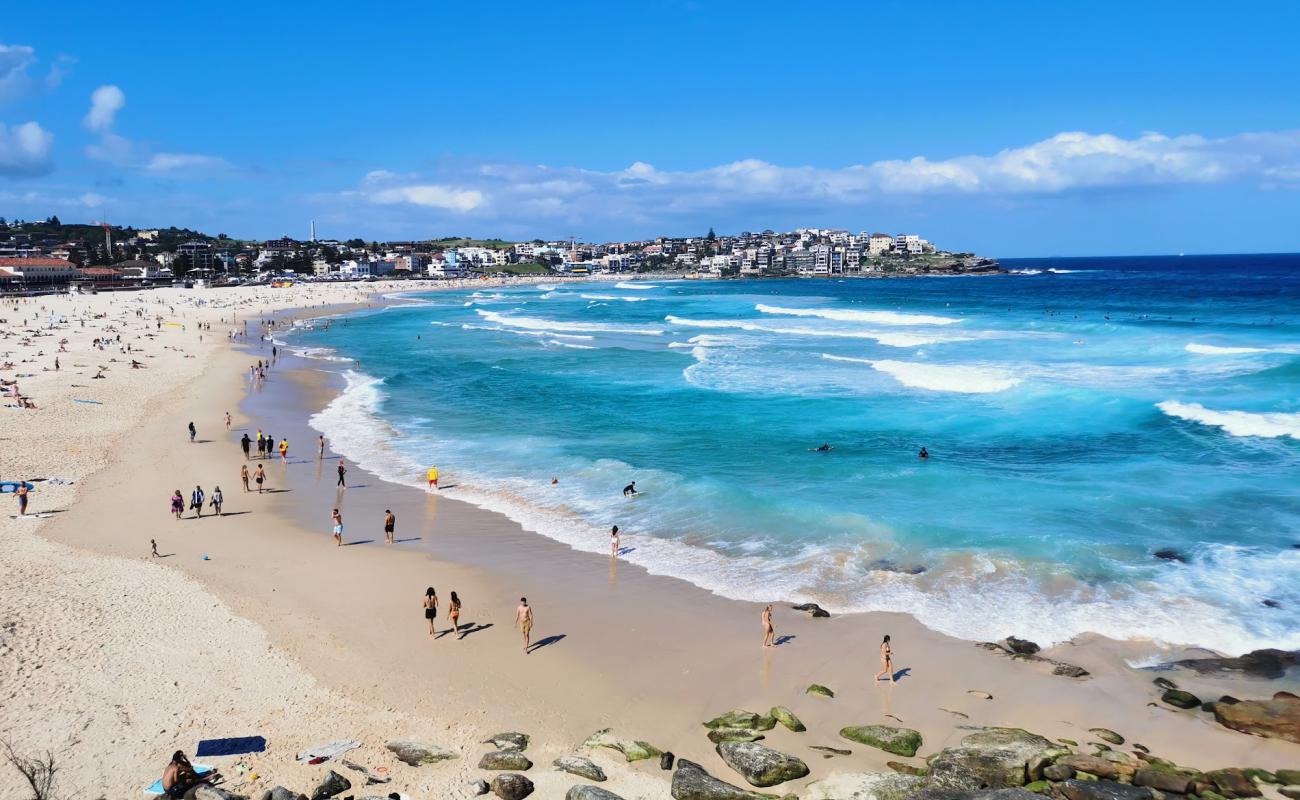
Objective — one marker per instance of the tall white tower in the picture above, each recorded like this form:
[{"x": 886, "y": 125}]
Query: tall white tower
[{"x": 313, "y": 230}]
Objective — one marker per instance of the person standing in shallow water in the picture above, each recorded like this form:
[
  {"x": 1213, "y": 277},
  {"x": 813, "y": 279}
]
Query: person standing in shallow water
[
  {"x": 886, "y": 660},
  {"x": 613, "y": 541},
  {"x": 769, "y": 632},
  {"x": 431, "y": 609},
  {"x": 343, "y": 470},
  {"x": 338, "y": 527}
]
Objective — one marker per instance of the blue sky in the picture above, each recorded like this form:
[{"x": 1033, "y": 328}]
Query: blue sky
[{"x": 1008, "y": 128}]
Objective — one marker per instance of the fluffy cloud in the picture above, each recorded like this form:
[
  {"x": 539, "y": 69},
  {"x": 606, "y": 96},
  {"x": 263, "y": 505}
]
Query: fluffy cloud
[
  {"x": 16, "y": 60},
  {"x": 428, "y": 195},
  {"x": 25, "y": 150},
  {"x": 189, "y": 162},
  {"x": 105, "y": 102}
]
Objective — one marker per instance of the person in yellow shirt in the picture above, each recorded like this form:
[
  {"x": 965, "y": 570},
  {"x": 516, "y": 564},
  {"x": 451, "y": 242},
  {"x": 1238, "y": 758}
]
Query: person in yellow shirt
[
  {"x": 284, "y": 451},
  {"x": 433, "y": 477}
]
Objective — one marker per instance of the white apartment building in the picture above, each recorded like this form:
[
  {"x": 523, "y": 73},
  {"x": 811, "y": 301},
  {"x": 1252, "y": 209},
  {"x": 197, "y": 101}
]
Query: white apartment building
[
  {"x": 879, "y": 244},
  {"x": 908, "y": 243}
]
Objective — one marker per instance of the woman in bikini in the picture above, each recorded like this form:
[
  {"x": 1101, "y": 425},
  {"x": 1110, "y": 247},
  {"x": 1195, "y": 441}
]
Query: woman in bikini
[
  {"x": 431, "y": 608},
  {"x": 886, "y": 660},
  {"x": 769, "y": 632},
  {"x": 243, "y": 475},
  {"x": 453, "y": 611}
]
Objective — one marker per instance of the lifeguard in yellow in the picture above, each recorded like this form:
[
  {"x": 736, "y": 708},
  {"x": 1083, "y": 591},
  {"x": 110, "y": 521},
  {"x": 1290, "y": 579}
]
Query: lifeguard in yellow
[{"x": 433, "y": 477}]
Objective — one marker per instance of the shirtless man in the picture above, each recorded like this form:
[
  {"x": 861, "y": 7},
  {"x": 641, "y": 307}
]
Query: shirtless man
[
  {"x": 524, "y": 621},
  {"x": 390, "y": 522},
  {"x": 338, "y": 527}
]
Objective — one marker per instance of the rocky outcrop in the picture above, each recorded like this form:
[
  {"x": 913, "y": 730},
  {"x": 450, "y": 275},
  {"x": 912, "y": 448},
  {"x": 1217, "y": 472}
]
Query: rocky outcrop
[
  {"x": 582, "y": 767},
  {"x": 505, "y": 760},
  {"x": 587, "y": 792},
  {"x": 511, "y": 786},
  {"x": 333, "y": 784},
  {"x": 207, "y": 791},
  {"x": 632, "y": 750},
  {"x": 1103, "y": 790},
  {"x": 281, "y": 793},
  {"x": 865, "y": 786},
  {"x": 761, "y": 766},
  {"x": 509, "y": 740},
  {"x": 692, "y": 782},
  {"x": 899, "y": 741},
  {"x": 819, "y": 690},
  {"x": 1291, "y": 777},
  {"x": 742, "y": 719},
  {"x": 734, "y": 735},
  {"x": 995, "y": 758},
  {"x": 1093, "y": 765},
  {"x": 1163, "y": 780},
  {"x": 1107, "y": 735},
  {"x": 1232, "y": 782},
  {"x": 416, "y": 754},
  {"x": 1023, "y": 650},
  {"x": 1022, "y": 647},
  {"x": 1269, "y": 663},
  {"x": 812, "y": 608},
  {"x": 787, "y": 718},
  {"x": 1278, "y": 718}
]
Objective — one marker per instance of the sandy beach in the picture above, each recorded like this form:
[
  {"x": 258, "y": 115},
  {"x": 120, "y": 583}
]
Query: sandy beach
[{"x": 255, "y": 623}]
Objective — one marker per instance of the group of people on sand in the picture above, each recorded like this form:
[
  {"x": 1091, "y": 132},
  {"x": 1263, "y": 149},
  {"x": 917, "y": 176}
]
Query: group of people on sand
[
  {"x": 266, "y": 446},
  {"x": 523, "y": 616},
  {"x": 197, "y": 498},
  {"x": 886, "y": 648}
]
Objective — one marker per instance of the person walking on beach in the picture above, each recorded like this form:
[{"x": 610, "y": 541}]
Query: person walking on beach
[
  {"x": 243, "y": 475},
  {"x": 343, "y": 470},
  {"x": 196, "y": 501},
  {"x": 22, "y": 498},
  {"x": 227, "y": 420},
  {"x": 886, "y": 660},
  {"x": 431, "y": 609},
  {"x": 193, "y": 432},
  {"x": 245, "y": 443},
  {"x": 217, "y": 500},
  {"x": 613, "y": 541},
  {"x": 338, "y": 527},
  {"x": 769, "y": 632},
  {"x": 153, "y": 545},
  {"x": 433, "y": 477},
  {"x": 284, "y": 451},
  {"x": 259, "y": 475},
  {"x": 453, "y": 611},
  {"x": 178, "y": 504},
  {"x": 320, "y": 447},
  {"x": 390, "y": 522},
  {"x": 261, "y": 445},
  {"x": 524, "y": 621}
]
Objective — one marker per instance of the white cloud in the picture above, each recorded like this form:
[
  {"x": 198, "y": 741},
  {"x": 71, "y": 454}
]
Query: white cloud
[
  {"x": 15, "y": 62},
  {"x": 25, "y": 150},
  {"x": 177, "y": 162},
  {"x": 105, "y": 102},
  {"x": 430, "y": 196}
]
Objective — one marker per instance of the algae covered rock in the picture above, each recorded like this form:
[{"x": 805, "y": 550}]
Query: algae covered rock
[
  {"x": 819, "y": 690},
  {"x": 761, "y": 766},
  {"x": 787, "y": 718},
  {"x": 693, "y": 782},
  {"x": 632, "y": 750},
  {"x": 505, "y": 760},
  {"x": 416, "y": 754},
  {"x": 899, "y": 741},
  {"x": 582, "y": 767}
]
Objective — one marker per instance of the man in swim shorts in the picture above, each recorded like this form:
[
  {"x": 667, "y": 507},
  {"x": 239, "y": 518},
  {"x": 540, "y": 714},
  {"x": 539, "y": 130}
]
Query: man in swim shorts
[
  {"x": 433, "y": 477},
  {"x": 390, "y": 522}
]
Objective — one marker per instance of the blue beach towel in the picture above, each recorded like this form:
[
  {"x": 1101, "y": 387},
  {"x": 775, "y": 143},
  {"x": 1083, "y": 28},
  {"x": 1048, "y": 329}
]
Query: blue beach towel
[{"x": 231, "y": 746}]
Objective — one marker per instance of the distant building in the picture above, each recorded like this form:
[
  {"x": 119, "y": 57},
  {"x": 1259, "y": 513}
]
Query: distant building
[
  {"x": 879, "y": 244},
  {"x": 40, "y": 271},
  {"x": 198, "y": 255}
]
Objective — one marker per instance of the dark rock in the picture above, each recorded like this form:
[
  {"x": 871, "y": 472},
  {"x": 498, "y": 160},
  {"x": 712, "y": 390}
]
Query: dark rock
[
  {"x": 868, "y": 786},
  {"x": 1229, "y": 699},
  {"x": 481, "y": 786},
  {"x": 1233, "y": 782},
  {"x": 830, "y": 751},
  {"x": 505, "y": 760},
  {"x": 1165, "y": 683},
  {"x": 899, "y": 741},
  {"x": 1022, "y": 647},
  {"x": 1270, "y": 663},
  {"x": 415, "y": 754},
  {"x": 508, "y": 741},
  {"x": 994, "y": 758},
  {"x": 1163, "y": 780},
  {"x": 1278, "y": 718},
  {"x": 1107, "y": 735},
  {"x": 511, "y": 786},
  {"x": 582, "y": 767},
  {"x": 585, "y": 791},
  {"x": 1290, "y": 777},
  {"x": 885, "y": 565},
  {"x": 787, "y": 718},
  {"x": 1180, "y": 699},
  {"x": 1290, "y": 792},
  {"x": 1103, "y": 790},
  {"x": 1069, "y": 670},
  {"x": 818, "y": 689},
  {"x": 734, "y": 735},
  {"x": 207, "y": 791},
  {"x": 692, "y": 782},
  {"x": 666, "y": 761},
  {"x": 1091, "y": 765},
  {"x": 812, "y": 608},
  {"x": 1058, "y": 772},
  {"x": 1169, "y": 554},
  {"x": 761, "y": 766},
  {"x": 333, "y": 784},
  {"x": 281, "y": 793}
]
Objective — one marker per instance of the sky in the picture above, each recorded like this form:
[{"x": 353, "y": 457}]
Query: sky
[{"x": 1007, "y": 128}]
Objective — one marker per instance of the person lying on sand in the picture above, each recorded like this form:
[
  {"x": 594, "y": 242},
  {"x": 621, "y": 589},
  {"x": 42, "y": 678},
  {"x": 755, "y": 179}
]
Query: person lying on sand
[{"x": 180, "y": 778}]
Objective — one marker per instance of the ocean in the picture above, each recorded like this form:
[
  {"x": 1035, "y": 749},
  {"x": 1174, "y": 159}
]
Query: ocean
[{"x": 1081, "y": 415}]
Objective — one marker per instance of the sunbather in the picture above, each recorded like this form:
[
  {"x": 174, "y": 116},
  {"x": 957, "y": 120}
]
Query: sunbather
[{"x": 179, "y": 778}]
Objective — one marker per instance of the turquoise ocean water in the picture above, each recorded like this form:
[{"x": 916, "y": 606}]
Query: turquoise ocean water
[{"x": 1081, "y": 415}]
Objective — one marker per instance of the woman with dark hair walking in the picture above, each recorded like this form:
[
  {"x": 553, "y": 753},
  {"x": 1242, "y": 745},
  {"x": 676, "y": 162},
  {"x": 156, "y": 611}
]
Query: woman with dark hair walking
[
  {"x": 431, "y": 608},
  {"x": 886, "y": 660},
  {"x": 453, "y": 611}
]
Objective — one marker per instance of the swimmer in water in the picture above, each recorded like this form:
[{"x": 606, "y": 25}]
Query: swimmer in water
[
  {"x": 825, "y": 448},
  {"x": 924, "y": 454}
]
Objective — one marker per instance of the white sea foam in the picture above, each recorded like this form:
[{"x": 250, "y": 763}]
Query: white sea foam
[
  {"x": 887, "y": 338},
  {"x": 614, "y": 297},
  {"x": 539, "y": 324},
  {"x": 851, "y": 315},
  {"x": 1026, "y": 272},
  {"x": 939, "y": 377},
  {"x": 1216, "y": 350},
  {"x": 570, "y": 344},
  {"x": 635, "y": 285},
  {"x": 1236, "y": 423}
]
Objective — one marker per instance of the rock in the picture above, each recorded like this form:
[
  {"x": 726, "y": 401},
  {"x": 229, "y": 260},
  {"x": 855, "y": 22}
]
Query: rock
[
  {"x": 734, "y": 735},
  {"x": 505, "y": 760},
  {"x": 1290, "y": 777},
  {"x": 333, "y": 784},
  {"x": 1292, "y": 792},
  {"x": 830, "y": 751},
  {"x": 585, "y": 791},
  {"x": 511, "y": 786},
  {"x": 1271, "y": 663},
  {"x": 371, "y": 778},
  {"x": 979, "y": 694},
  {"x": 1070, "y": 742},
  {"x": 416, "y": 754},
  {"x": 582, "y": 767},
  {"x": 631, "y": 750},
  {"x": 1107, "y": 735},
  {"x": 692, "y": 782},
  {"x": 899, "y": 741},
  {"x": 1069, "y": 670},
  {"x": 1180, "y": 698},
  {"x": 1091, "y": 764},
  {"x": 812, "y": 608},
  {"x": 1103, "y": 790},
  {"x": 281, "y": 793},
  {"x": 508, "y": 741},
  {"x": 207, "y": 791},
  {"x": 865, "y": 786},
  {"x": 1165, "y": 683},
  {"x": 885, "y": 565},
  {"x": 1258, "y": 776},
  {"x": 1058, "y": 772},
  {"x": 787, "y": 718},
  {"x": 1163, "y": 780},
  {"x": 1233, "y": 782},
  {"x": 480, "y": 786},
  {"x": 1278, "y": 718},
  {"x": 666, "y": 761},
  {"x": 905, "y": 769},
  {"x": 818, "y": 689},
  {"x": 994, "y": 758},
  {"x": 1169, "y": 554},
  {"x": 734, "y": 719},
  {"x": 761, "y": 766},
  {"x": 1022, "y": 647}
]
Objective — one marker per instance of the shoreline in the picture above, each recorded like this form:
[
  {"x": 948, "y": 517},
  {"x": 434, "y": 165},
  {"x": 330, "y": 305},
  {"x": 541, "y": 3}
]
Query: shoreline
[{"x": 649, "y": 655}]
